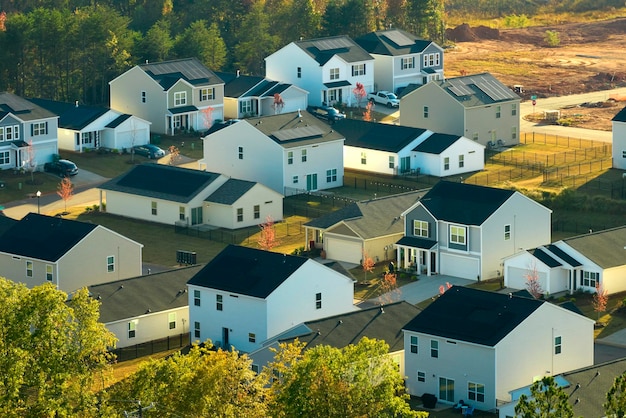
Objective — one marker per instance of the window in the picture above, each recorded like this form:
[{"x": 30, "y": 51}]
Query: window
[
  {"x": 331, "y": 175},
  {"x": 196, "y": 329},
  {"x": 110, "y": 264},
  {"x": 434, "y": 348},
  {"x": 358, "y": 69},
  {"x": 461, "y": 161},
  {"x": 245, "y": 106},
  {"x": 196, "y": 298},
  {"x": 334, "y": 73},
  {"x": 475, "y": 136},
  {"x": 251, "y": 337},
  {"x": 299, "y": 72},
  {"x": 171, "y": 320},
  {"x": 457, "y": 235},
  {"x": 475, "y": 392},
  {"x": 5, "y": 157},
  {"x": 180, "y": 98},
  {"x": 431, "y": 60},
  {"x": 590, "y": 278},
  {"x": 414, "y": 344},
  {"x": 425, "y": 63},
  {"x": 407, "y": 63},
  {"x": 49, "y": 272},
  {"x": 513, "y": 132},
  {"x": 425, "y": 112},
  {"x": 624, "y": 154},
  {"x": 1, "y": 133},
  {"x": 295, "y": 179},
  {"x": 334, "y": 95},
  {"x": 392, "y": 161},
  {"x": 318, "y": 301},
  {"x": 39, "y": 128},
  {"x": 421, "y": 376},
  {"x": 29, "y": 269},
  {"x": 257, "y": 211},
  {"x": 181, "y": 213},
  {"x": 498, "y": 111},
  {"x": 446, "y": 163},
  {"x": 420, "y": 229},
  {"x": 240, "y": 152},
  {"x": 132, "y": 329},
  {"x": 153, "y": 206},
  {"x": 178, "y": 121},
  {"x": 219, "y": 302},
  {"x": 304, "y": 156},
  {"x": 363, "y": 158},
  {"x": 255, "y": 368},
  {"x": 437, "y": 58},
  {"x": 143, "y": 97},
  {"x": 514, "y": 109},
  {"x": 239, "y": 214},
  {"x": 207, "y": 94},
  {"x": 558, "y": 347},
  {"x": 290, "y": 157},
  {"x": 11, "y": 133}
]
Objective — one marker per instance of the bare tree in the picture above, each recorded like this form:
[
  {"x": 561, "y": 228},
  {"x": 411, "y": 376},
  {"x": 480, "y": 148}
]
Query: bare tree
[
  {"x": 174, "y": 154},
  {"x": 532, "y": 281},
  {"x": 65, "y": 190},
  {"x": 207, "y": 116},
  {"x": 600, "y": 299},
  {"x": 390, "y": 292},
  {"x": 359, "y": 93},
  {"x": 29, "y": 163},
  {"x": 367, "y": 115},
  {"x": 268, "y": 239},
  {"x": 278, "y": 104}
]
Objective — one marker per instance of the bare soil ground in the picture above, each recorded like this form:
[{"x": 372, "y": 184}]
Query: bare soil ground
[{"x": 591, "y": 56}]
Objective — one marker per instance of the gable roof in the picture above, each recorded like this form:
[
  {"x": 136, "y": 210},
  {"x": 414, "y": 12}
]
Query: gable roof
[
  {"x": 392, "y": 42},
  {"x": 476, "y": 90},
  {"x": 563, "y": 255},
  {"x": 463, "y": 203},
  {"x": 605, "y": 248},
  {"x": 21, "y": 108},
  {"x": 119, "y": 120},
  {"x": 378, "y": 136},
  {"x": 162, "y": 182},
  {"x": 140, "y": 295},
  {"x": 247, "y": 271},
  {"x": 229, "y": 192},
  {"x": 620, "y": 116},
  {"x": 167, "y": 73},
  {"x": 71, "y": 115},
  {"x": 239, "y": 86},
  {"x": 342, "y": 46},
  {"x": 474, "y": 316},
  {"x": 43, "y": 237},
  {"x": 380, "y": 322},
  {"x": 545, "y": 258},
  {"x": 436, "y": 143}
]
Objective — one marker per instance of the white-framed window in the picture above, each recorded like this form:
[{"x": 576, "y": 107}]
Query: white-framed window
[
  {"x": 507, "y": 232},
  {"x": 425, "y": 59},
  {"x": 407, "y": 63},
  {"x": 299, "y": 72},
  {"x": 180, "y": 98},
  {"x": 207, "y": 94},
  {"x": 461, "y": 161},
  {"x": 49, "y": 272},
  {"x": 414, "y": 344},
  {"x": 239, "y": 214},
  {"x": 257, "y": 211},
  {"x": 590, "y": 278},
  {"x": 39, "y": 128},
  {"x": 334, "y": 73},
  {"x": 219, "y": 302},
  {"x": 333, "y": 95},
  {"x": 5, "y": 157},
  {"x": 132, "y": 329},
  {"x": 318, "y": 301},
  {"x": 426, "y": 111},
  {"x": 420, "y": 229},
  {"x": 392, "y": 161},
  {"x": 363, "y": 158},
  {"x": 29, "y": 268},
  {"x": 513, "y": 109},
  {"x": 289, "y": 157},
  {"x": 437, "y": 58},
  {"x": 1, "y": 133},
  {"x": 245, "y": 106},
  {"x": 85, "y": 138},
  {"x": 513, "y": 132},
  {"x": 457, "y": 235},
  {"x": 240, "y": 152},
  {"x": 446, "y": 163},
  {"x": 623, "y": 153},
  {"x": 358, "y": 69},
  {"x": 331, "y": 175},
  {"x": 303, "y": 155},
  {"x": 143, "y": 97},
  {"x": 110, "y": 264},
  {"x": 421, "y": 376},
  {"x": 171, "y": 320},
  {"x": 475, "y": 136},
  {"x": 294, "y": 179},
  {"x": 196, "y": 329},
  {"x": 178, "y": 121},
  {"x": 431, "y": 60},
  {"x": 434, "y": 348},
  {"x": 498, "y": 111},
  {"x": 181, "y": 213},
  {"x": 476, "y": 392},
  {"x": 11, "y": 133},
  {"x": 153, "y": 207},
  {"x": 196, "y": 298},
  {"x": 251, "y": 337},
  {"x": 558, "y": 344}
]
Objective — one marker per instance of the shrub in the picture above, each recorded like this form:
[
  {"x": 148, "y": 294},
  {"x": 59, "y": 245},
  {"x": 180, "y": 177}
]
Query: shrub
[{"x": 552, "y": 38}]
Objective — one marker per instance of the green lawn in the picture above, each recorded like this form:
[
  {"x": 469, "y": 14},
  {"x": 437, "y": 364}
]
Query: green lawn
[{"x": 18, "y": 186}]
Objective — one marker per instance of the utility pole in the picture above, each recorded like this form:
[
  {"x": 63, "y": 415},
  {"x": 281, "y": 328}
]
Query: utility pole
[{"x": 139, "y": 412}]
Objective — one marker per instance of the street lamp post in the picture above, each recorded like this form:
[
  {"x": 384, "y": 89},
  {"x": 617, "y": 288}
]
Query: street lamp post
[{"x": 38, "y": 205}]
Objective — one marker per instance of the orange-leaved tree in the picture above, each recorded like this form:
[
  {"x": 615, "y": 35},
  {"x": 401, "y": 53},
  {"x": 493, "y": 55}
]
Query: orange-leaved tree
[
  {"x": 600, "y": 299},
  {"x": 367, "y": 263},
  {"x": 532, "y": 281},
  {"x": 65, "y": 190},
  {"x": 267, "y": 240},
  {"x": 359, "y": 94}
]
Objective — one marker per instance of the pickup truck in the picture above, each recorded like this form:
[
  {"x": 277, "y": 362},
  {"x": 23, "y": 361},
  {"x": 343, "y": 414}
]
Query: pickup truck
[{"x": 384, "y": 97}]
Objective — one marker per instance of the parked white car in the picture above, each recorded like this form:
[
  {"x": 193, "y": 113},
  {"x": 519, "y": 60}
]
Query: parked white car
[{"x": 384, "y": 97}]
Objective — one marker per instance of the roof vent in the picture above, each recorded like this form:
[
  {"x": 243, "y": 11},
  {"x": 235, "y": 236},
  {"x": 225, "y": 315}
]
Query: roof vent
[
  {"x": 382, "y": 310},
  {"x": 340, "y": 322},
  {"x": 148, "y": 310},
  {"x": 76, "y": 103},
  {"x": 121, "y": 286},
  {"x": 299, "y": 114}
]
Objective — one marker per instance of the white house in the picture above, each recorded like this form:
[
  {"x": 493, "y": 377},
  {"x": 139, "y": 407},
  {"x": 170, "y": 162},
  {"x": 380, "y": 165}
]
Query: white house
[
  {"x": 22, "y": 124},
  {"x": 290, "y": 152},
  {"x": 477, "y": 346},
  {"x": 328, "y": 68},
  {"x": 175, "y": 195},
  {"x": 571, "y": 264},
  {"x": 244, "y": 296},
  {"x": 619, "y": 139},
  {"x": 91, "y": 127}
]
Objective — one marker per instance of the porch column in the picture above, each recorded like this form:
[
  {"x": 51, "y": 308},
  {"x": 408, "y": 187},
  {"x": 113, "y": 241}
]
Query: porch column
[
  {"x": 306, "y": 238},
  {"x": 418, "y": 264},
  {"x": 428, "y": 260},
  {"x": 407, "y": 258},
  {"x": 100, "y": 206}
]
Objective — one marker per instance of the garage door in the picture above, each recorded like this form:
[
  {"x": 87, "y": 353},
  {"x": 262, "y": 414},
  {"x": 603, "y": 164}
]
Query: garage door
[
  {"x": 514, "y": 277},
  {"x": 457, "y": 266},
  {"x": 343, "y": 250}
]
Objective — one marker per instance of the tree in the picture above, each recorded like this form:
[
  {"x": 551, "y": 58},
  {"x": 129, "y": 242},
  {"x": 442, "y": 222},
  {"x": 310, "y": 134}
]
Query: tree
[
  {"x": 389, "y": 287},
  {"x": 552, "y": 38},
  {"x": 65, "y": 190},
  {"x": 52, "y": 351},
  {"x": 367, "y": 115},
  {"x": 547, "y": 400},
  {"x": 359, "y": 380},
  {"x": 30, "y": 164},
  {"x": 367, "y": 263},
  {"x": 359, "y": 94},
  {"x": 615, "y": 405},
  {"x": 207, "y": 117},
  {"x": 174, "y": 154},
  {"x": 255, "y": 41},
  {"x": 600, "y": 299},
  {"x": 157, "y": 43},
  {"x": 532, "y": 281},
  {"x": 267, "y": 239}
]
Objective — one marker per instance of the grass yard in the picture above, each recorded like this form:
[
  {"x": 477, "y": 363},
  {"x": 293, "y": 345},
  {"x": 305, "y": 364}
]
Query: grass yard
[{"x": 18, "y": 186}]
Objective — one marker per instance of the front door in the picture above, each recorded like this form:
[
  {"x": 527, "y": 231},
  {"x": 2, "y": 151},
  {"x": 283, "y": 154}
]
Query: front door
[
  {"x": 446, "y": 389},
  {"x": 311, "y": 182},
  {"x": 433, "y": 262},
  {"x": 225, "y": 342}
]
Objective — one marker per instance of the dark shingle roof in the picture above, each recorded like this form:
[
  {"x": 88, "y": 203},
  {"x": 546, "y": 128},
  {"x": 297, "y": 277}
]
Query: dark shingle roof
[
  {"x": 236, "y": 85},
  {"x": 417, "y": 242},
  {"x": 436, "y": 143},
  {"x": 342, "y": 330},
  {"x": 118, "y": 121},
  {"x": 167, "y": 73},
  {"x": 6, "y": 223},
  {"x": 476, "y": 90},
  {"x": 563, "y": 255},
  {"x": 474, "y": 316},
  {"x": 72, "y": 116},
  {"x": 463, "y": 203},
  {"x": 22, "y": 108},
  {"x": 620, "y": 116},
  {"x": 229, "y": 192},
  {"x": 605, "y": 248},
  {"x": 247, "y": 271},
  {"x": 162, "y": 182},
  {"x": 323, "y": 49},
  {"x": 43, "y": 237},
  {"x": 140, "y": 295},
  {"x": 378, "y": 136},
  {"x": 545, "y": 258},
  {"x": 392, "y": 42}
]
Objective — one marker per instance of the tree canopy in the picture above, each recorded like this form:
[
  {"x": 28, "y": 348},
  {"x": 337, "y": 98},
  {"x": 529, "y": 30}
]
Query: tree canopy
[{"x": 546, "y": 400}]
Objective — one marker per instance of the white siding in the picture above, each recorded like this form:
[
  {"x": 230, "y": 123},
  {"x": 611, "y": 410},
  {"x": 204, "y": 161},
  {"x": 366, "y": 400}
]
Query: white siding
[
  {"x": 150, "y": 327},
  {"x": 283, "y": 64},
  {"x": 619, "y": 145},
  {"x": 270, "y": 204}
]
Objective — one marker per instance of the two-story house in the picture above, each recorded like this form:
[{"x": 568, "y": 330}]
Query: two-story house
[
  {"x": 619, "y": 139},
  {"x": 244, "y": 296},
  {"x": 290, "y": 153},
  {"x": 467, "y": 231},
  {"x": 328, "y": 68},
  {"x": 477, "y": 106},
  {"x": 401, "y": 58},
  {"x": 28, "y": 133},
  {"x": 477, "y": 346},
  {"x": 174, "y": 96}
]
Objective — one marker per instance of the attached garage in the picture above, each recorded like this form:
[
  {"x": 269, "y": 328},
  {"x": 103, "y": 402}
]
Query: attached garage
[
  {"x": 343, "y": 248},
  {"x": 459, "y": 266}
]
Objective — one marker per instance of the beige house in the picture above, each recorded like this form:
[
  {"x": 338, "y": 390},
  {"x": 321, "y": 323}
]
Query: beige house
[{"x": 69, "y": 254}]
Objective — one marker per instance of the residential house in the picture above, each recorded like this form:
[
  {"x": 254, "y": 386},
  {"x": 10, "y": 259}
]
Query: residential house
[
  {"x": 174, "y": 96},
  {"x": 619, "y": 139},
  {"x": 28, "y": 134},
  {"x": 476, "y": 106},
  {"x": 328, "y": 68},
  {"x": 247, "y": 96},
  {"x": 401, "y": 58},
  {"x": 572, "y": 264},
  {"x": 369, "y": 227},
  {"x": 392, "y": 149},
  {"x": 384, "y": 322},
  {"x": 244, "y": 296},
  {"x": 290, "y": 153},
  {"x": 477, "y": 346},
  {"x": 70, "y": 254},
  {"x": 467, "y": 231},
  {"x": 84, "y": 128},
  {"x": 175, "y": 195}
]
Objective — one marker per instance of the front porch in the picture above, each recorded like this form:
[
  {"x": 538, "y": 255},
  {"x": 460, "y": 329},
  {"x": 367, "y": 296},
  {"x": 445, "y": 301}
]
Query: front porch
[{"x": 418, "y": 254}]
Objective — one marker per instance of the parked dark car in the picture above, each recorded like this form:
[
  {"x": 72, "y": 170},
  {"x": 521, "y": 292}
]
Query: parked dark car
[
  {"x": 149, "y": 150},
  {"x": 63, "y": 168},
  {"x": 328, "y": 113}
]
